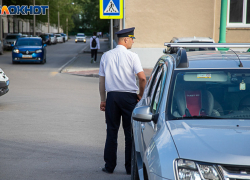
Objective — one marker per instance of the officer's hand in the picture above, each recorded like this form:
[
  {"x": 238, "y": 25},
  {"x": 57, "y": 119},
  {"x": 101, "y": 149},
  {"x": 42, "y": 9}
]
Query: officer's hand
[
  {"x": 139, "y": 97},
  {"x": 102, "y": 106}
]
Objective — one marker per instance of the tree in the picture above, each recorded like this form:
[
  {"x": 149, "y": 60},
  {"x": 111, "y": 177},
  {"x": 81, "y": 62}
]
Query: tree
[{"x": 88, "y": 19}]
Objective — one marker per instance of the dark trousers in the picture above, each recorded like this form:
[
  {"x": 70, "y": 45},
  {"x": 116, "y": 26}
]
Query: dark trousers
[
  {"x": 94, "y": 53},
  {"x": 118, "y": 104}
]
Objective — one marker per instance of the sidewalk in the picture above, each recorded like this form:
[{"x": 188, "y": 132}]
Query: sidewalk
[{"x": 81, "y": 66}]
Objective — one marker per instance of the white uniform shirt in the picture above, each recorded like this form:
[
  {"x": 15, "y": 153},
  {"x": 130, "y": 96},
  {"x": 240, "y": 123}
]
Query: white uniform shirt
[
  {"x": 119, "y": 67},
  {"x": 97, "y": 43}
]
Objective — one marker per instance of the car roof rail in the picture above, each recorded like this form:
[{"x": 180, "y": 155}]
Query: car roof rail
[{"x": 217, "y": 45}]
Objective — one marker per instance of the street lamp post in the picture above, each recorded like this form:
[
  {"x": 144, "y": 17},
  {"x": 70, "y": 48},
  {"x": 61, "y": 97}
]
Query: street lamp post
[
  {"x": 58, "y": 28},
  {"x": 1, "y": 28},
  {"x": 67, "y": 27},
  {"x": 48, "y": 18},
  {"x": 34, "y": 21}
]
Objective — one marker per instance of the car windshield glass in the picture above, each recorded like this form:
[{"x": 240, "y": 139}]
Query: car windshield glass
[
  {"x": 25, "y": 42},
  {"x": 51, "y": 35},
  {"x": 80, "y": 35},
  {"x": 58, "y": 35},
  {"x": 12, "y": 37},
  {"x": 210, "y": 94}
]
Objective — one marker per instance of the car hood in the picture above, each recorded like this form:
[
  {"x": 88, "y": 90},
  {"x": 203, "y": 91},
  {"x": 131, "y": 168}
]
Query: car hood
[
  {"x": 80, "y": 37},
  {"x": 29, "y": 47},
  {"x": 216, "y": 141}
]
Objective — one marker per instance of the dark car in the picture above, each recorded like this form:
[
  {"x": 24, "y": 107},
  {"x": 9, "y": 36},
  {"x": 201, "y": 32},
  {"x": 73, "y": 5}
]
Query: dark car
[
  {"x": 29, "y": 50},
  {"x": 45, "y": 38},
  {"x": 9, "y": 40}
]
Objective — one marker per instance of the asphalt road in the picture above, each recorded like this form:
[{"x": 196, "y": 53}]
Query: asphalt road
[{"x": 50, "y": 126}]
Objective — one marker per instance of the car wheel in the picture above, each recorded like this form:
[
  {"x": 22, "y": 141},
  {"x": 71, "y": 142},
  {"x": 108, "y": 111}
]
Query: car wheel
[{"x": 134, "y": 168}]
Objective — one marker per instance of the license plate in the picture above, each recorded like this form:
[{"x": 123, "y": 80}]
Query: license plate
[{"x": 27, "y": 56}]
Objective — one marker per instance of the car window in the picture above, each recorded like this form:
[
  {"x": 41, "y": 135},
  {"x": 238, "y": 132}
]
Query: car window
[
  {"x": 153, "y": 79},
  {"x": 215, "y": 93},
  {"x": 12, "y": 37},
  {"x": 25, "y": 42},
  {"x": 157, "y": 94},
  {"x": 156, "y": 84}
]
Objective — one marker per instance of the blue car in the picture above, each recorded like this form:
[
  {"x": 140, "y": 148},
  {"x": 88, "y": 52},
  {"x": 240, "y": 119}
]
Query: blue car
[{"x": 29, "y": 49}]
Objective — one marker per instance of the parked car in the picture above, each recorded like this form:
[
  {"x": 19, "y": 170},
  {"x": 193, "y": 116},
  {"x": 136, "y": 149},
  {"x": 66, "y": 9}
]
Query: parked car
[
  {"x": 59, "y": 38},
  {"x": 45, "y": 38},
  {"x": 192, "y": 40},
  {"x": 193, "y": 120},
  {"x": 80, "y": 37},
  {"x": 10, "y": 39},
  {"x": 29, "y": 49},
  {"x": 65, "y": 37},
  {"x": 52, "y": 38},
  {"x": 1, "y": 48},
  {"x": 4, "y": 83}
]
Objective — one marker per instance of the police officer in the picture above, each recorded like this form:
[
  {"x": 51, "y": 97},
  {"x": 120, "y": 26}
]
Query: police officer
[{"x": 117, "y": 77}]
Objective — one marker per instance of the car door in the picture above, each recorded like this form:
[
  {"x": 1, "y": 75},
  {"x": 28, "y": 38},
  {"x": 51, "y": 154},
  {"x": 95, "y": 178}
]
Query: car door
[{"x": 148, "y": 129}]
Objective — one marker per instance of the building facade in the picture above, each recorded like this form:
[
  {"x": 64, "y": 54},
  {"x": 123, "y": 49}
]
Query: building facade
[{"x": 158, "y": 21}]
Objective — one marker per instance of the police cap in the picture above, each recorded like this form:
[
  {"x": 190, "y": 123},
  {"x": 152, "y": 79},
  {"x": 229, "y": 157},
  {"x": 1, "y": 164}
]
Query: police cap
[{"x": 129, "y": 32}]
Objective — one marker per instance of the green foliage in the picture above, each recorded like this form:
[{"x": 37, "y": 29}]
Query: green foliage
[{"x": 88, "y": 19}]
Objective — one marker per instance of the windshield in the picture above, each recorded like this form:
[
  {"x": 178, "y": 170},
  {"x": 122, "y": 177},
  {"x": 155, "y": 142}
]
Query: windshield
[
  {"x": 210, "y": 94},
  {"x": 12, "y": 37},
  {"x": 25, "y": 42},
  {"x": 80, "y": 35},
  {"x": 58, "y": 35}
]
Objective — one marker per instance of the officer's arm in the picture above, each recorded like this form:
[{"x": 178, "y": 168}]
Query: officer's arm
[
  {"x": 102, "y": 92},
  {"x": 142, "y": 83}
]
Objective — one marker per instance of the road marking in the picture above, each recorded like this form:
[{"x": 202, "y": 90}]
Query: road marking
[
  {"x": 61, "y": 68},
  {"x": 72, "y": 59},
  {"x": 53, "y": 74}
]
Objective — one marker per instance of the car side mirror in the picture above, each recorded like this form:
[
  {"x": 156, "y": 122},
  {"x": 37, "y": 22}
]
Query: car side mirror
[
  {"x": 12, "y": 45},
  {"x": 45, "y": 45},
  {"x": 142, "y": 114}
]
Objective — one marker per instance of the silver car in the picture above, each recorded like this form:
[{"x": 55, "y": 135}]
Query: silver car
[
  {"x": 80, "y": 37},
  {"x": 193, "y": 121},
  {"x": 10, "y": 40}
]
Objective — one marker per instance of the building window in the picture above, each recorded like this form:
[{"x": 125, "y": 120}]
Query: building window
[{"x": 238, "y": 14}]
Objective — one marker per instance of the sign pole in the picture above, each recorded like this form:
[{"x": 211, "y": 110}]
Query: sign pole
[
  {"x": 48, "y": 19},
  {"x": 1, "y": 28},
  {"x": 123, "y": 20},
  {"x": 111, "y": 33}
]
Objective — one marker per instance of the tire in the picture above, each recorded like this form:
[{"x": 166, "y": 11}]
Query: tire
[
  {"x": 13, "y": 62},
  {"x": 134, "y": 168},
  {"x": 44, "y": 60}
]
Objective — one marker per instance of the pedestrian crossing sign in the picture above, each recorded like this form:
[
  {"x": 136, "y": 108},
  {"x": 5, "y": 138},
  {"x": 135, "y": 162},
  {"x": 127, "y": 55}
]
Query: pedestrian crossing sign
[{"x": 111, "y": 9}]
